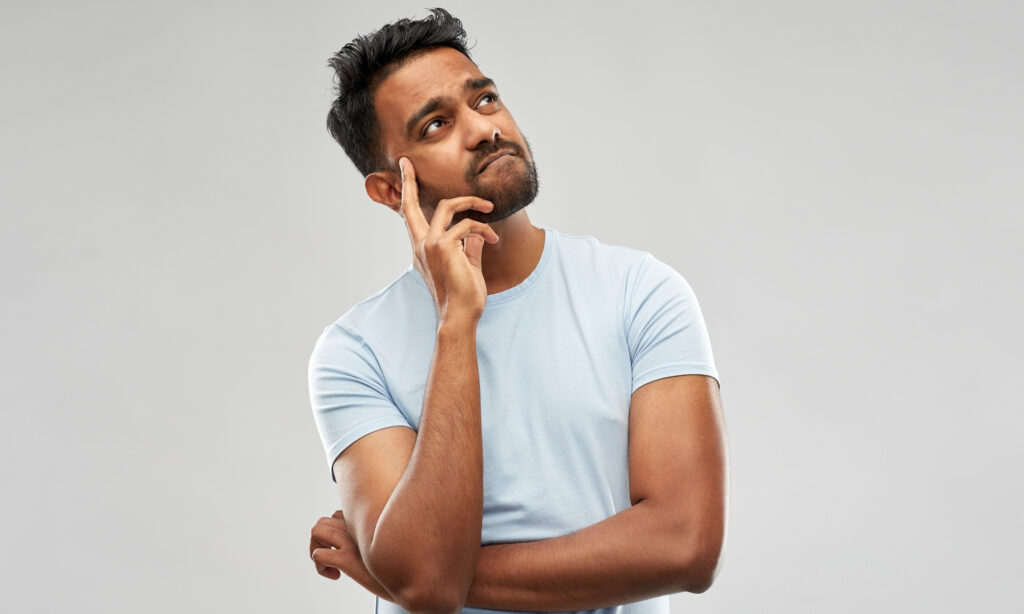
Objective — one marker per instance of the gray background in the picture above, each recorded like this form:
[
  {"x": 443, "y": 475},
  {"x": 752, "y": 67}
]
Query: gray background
[{"x": 838, "y": 181}]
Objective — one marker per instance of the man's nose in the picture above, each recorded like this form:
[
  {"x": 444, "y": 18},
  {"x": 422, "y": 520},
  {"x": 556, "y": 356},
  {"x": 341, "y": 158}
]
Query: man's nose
[{"x": 482, "y": 131}]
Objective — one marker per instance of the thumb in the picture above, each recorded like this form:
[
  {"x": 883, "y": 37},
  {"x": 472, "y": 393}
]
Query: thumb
[{"x": 474, "y": 247}]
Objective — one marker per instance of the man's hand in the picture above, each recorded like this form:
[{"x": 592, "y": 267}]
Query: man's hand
[
  {"x": 334, "y": 551},
  {"x": 448, "y": 258}
]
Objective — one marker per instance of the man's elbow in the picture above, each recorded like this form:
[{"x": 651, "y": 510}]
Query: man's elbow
[
  {"x": 700, "y": 565},
  {"x": 427, "y": 597},
  {"x": 700, "y": 577},
  {"x": 418, "y": 590},
  {"x": 433, "y": 600}
]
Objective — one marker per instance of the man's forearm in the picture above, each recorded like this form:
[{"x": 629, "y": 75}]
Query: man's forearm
[
  {"x": 634, "y": 555},
  {"x": 428, "y": 534}
]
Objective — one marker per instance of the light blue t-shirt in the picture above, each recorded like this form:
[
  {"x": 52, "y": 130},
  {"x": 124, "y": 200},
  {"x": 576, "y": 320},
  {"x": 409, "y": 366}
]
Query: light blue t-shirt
[{"x": 559, "y": 356}]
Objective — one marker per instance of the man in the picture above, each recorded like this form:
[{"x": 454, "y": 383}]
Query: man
[{"x": 524, "y": 420}]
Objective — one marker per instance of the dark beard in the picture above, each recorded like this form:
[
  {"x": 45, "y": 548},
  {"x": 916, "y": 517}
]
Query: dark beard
[{"x": 507, "y": 200}]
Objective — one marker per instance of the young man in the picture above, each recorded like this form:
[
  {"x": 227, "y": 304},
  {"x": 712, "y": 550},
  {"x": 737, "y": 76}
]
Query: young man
[{"x": 524, "y": 420}]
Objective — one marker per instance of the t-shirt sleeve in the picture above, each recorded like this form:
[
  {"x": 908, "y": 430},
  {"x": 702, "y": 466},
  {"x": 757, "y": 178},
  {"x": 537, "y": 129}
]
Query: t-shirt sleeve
[
  {"x": 665, "y": 328},
  {"x": 348, "y": 392}
]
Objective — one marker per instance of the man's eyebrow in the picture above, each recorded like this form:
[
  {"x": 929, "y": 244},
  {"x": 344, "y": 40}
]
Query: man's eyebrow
[
  {"x": 476, "y": 84},
  {"x": 435, "y": 103},
  {"x": 432, "y": 105}
]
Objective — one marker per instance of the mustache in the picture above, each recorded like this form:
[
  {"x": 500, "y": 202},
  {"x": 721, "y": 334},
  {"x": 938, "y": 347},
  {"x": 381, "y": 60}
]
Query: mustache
[{"x": 492, "y": 147}]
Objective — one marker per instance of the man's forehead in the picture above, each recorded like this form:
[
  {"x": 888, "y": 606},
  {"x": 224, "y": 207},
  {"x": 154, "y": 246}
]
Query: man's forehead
[{"x": 431, "y": 74}]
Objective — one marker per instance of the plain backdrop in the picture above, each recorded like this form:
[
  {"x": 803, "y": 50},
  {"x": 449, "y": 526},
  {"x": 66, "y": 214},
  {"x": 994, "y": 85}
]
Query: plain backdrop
[{"x": 838, "y": 181}]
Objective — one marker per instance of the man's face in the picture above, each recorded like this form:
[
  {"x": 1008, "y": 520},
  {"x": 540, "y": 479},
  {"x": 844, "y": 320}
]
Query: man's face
[{"x": 442, "y": 113}]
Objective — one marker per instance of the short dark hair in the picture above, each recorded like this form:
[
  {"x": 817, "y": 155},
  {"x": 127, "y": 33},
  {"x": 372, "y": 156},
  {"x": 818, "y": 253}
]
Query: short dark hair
[{"x": 363, "y": 64}]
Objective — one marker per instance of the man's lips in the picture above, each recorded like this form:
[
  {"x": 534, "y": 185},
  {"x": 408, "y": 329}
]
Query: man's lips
[{"x": 493, "y": 157}]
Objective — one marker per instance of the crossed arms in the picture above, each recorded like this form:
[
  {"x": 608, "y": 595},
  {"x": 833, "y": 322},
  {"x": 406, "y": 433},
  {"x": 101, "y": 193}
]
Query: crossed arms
[{"x": 668, "y": 541}]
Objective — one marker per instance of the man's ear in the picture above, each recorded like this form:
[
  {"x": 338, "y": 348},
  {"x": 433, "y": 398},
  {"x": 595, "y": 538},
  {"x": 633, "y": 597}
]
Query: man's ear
[{"x": 385, "y": 187}]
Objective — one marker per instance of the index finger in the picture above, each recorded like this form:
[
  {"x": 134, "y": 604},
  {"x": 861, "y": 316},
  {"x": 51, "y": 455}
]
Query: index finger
[
  {"x": 323, "y": 570},
  {"x": 331, "y": 573},
  {"x": 410, "y": 210}
]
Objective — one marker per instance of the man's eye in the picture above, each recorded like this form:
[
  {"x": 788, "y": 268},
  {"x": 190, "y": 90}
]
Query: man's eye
[
  {"x": 434, "y": 123},
  {"x": 488, "y": 99}
]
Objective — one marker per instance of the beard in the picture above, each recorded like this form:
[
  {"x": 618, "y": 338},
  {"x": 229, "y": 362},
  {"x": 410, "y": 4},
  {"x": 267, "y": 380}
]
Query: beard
[{"x": 509, "y": 190}]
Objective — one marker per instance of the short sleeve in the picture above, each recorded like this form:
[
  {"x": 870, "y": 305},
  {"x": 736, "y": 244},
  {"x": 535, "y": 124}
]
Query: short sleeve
[
  {"x": 665, "y": 328},
  {"x": 347, "y": 391}
]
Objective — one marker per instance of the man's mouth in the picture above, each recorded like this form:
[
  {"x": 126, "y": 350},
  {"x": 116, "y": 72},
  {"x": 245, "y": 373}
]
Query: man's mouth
[{"x": 495, "y": 156}]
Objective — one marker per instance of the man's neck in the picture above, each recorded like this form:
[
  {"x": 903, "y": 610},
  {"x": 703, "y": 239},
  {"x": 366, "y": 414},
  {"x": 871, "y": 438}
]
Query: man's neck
[{"x": 516, "y": 254}]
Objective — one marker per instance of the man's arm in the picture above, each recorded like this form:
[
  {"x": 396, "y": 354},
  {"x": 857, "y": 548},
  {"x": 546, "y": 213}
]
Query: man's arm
[
  {"x": 413, "y": 502},
  {"x": 669, "y": 540}
]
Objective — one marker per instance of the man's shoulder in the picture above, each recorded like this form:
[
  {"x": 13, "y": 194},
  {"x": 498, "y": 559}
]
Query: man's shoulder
[
  {"x": 385, "y": 307},
  {"x": 611, "y": 263},
  {"x": 591, "y": 248},
  {"x": 602, "y": 266}
]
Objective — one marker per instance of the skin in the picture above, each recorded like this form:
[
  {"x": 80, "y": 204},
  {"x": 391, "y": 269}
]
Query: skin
[
  {"x": 669, "y": 541},
  {"x": 392, "y": 482},
  {"x": 442, "y": 156}
]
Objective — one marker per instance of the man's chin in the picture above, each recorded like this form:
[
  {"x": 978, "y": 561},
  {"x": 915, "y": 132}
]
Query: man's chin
[
  {"x": 500, "y": 212},
  {"x": 507, "y": 203},
  {"x": 512, "y": 190}
]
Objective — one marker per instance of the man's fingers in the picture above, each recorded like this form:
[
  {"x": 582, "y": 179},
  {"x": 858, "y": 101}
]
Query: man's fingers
[
  {"x": 330, "y": 532},
  {"x": 331, "y": 573},
  {"x": 410, "y": 208},
  {"x": 467, "y": 227},
  {"x": 323, "y": 570},
  {"x": 327, "y": 572},
  {"x": 328, "y": 562},
  {"x": 474, "y": 248},
  {"x": 327, "y": 541},
  {"x": 447, "y": 208}
]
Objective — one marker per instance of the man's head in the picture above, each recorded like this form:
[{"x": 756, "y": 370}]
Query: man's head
[{"x": 410, "y": 89}]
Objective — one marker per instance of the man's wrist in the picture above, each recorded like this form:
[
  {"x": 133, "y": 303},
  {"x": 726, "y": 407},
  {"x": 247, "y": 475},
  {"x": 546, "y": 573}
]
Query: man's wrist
[{"x": 454, "y": 326}]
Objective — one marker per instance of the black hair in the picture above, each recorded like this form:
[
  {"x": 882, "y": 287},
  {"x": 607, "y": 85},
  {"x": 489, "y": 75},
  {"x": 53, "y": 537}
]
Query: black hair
[{"x": 363, "y": 64}]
